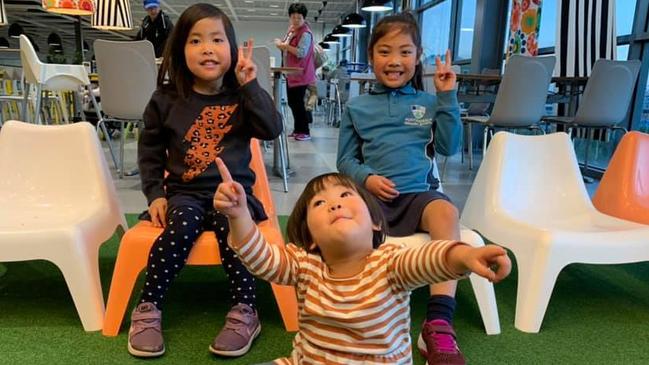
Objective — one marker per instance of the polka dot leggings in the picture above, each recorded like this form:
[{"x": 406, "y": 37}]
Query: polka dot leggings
[{"x": 171, "y": 249}]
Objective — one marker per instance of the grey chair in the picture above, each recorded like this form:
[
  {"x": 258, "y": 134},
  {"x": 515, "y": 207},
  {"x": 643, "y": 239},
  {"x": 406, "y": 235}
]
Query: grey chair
[
  {"x": 127, "y": 79},
  {"x": 520, "y": 101},
  {"x": 605, "y": 101}
]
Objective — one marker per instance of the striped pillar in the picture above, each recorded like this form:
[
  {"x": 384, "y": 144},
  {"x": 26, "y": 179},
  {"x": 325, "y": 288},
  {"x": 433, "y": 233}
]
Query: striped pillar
[{"x": 585, "y": 33}]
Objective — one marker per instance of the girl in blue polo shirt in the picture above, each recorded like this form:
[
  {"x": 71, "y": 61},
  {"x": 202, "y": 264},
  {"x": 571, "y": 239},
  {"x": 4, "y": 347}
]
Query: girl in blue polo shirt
[{"x": 387, "y": 142}]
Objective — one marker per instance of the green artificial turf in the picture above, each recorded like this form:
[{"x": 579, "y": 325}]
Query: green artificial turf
[{"x": 598, "y": 314}]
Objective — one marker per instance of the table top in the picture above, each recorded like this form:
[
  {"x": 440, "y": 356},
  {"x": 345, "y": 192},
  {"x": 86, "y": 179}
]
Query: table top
[{"x": 286, "y": 70}]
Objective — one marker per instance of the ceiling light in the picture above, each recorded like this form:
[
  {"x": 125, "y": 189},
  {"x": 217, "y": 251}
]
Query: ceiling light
[
  {"x": 340, "y": 31},
  {"x": 354, "y": 20},
  {"x": 70, "y": 7},
  {"x": 376, "y": 5}
]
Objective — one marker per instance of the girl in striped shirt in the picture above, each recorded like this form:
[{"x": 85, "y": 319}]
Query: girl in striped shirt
[{"x": 353, "y": 291}]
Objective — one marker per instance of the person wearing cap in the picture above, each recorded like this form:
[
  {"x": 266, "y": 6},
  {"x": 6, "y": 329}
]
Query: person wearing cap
[{"x": 156, "y": 26}]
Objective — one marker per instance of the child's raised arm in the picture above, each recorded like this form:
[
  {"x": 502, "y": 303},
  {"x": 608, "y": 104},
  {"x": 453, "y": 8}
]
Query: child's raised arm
[
  {"x": 490, "y": 262},
  {"x": 230, "y": 199},
  {"x": 275, "y": 263}
]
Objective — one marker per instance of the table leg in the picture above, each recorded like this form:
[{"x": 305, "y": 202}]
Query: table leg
[{"x": 280, "y": 147}]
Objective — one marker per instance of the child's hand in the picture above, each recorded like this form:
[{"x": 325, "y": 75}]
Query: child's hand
[
  {"x": 158, "y": 212},
  {"x": 444, "y": 75},
  {"x": 246, "y": 70},
  {"x": 381, "y": 187},
  {"x": 490, "y": 262},
  {"x": 230, "y": 197}
]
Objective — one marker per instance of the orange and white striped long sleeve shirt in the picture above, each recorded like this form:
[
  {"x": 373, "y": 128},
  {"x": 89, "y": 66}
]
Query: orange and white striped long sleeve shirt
[{"x": 364, "y": 319}]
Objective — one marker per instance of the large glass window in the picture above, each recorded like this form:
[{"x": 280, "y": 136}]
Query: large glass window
[
  {"x": 623, "y": 52},
  {"x": 436, "y": 25},
  {"x": 467, "y": 22},
  {"x": 624, "y": 10},
  {"x": 548, "y": 28}
]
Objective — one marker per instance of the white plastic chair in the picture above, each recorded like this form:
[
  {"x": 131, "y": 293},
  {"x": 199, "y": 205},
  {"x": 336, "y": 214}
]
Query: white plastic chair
[
  {"x": 127, "y": 79},
  {"x": 53, "y": 77},
  {"x": 482, "y": 288},
  {"x": 61, "y": 210},
  {"x": 529, "y": 196}
]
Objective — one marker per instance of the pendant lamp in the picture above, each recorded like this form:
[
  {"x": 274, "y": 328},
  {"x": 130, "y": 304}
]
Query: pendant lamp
[
  {"x": 354, "y": 20},
  {"x": 377, "y": 5},
  {"x": 70, "y": 7}
]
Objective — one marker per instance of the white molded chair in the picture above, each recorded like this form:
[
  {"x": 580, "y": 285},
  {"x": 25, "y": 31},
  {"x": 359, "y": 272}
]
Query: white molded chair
[
  {"x": 53, "y": 77},
  {"x": 529, "y": 196},
  {"x": 61, "y": 210},
  {"x": 127, "y": 79},
  {"x": 483, "y": 288}
]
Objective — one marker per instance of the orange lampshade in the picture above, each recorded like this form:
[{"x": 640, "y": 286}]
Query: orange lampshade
[{"x": 70, "y": 7}]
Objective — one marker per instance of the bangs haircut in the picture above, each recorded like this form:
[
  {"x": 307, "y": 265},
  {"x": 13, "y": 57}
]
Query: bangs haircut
[
  {"x": 403, "y": 23},
  {"x": 297, "y": 228},
  {"x": 174, "y": 66}
]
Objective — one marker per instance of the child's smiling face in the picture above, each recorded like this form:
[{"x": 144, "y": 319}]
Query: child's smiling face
[
  {"x": 339, "y": 221},
  {"x": 394, "y": 58},
  {"x": 207, "y": 54}
]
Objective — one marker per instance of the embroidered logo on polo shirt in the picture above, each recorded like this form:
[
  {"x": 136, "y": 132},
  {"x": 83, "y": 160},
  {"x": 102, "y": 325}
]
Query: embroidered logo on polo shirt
[{"x": 418, "y": 111}]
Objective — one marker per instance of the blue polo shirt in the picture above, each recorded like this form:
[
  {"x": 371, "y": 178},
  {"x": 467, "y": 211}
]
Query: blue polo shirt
[{"x": 395, "y": 133}]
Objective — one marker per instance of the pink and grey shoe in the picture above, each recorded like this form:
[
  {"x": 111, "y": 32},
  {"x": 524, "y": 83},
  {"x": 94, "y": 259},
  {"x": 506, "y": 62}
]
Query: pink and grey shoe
[
  {"x": 241, "y": 328},
  {"x": 302, "y": 137},
  {"x": 437, "y": 344},
  {"x": 145, "y": 335}
]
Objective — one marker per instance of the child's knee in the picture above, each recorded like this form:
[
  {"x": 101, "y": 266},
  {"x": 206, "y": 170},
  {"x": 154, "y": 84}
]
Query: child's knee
[{"x": 441, "y": 211}]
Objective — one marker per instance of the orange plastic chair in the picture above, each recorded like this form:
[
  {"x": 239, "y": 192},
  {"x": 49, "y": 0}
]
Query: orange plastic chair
[
  {"x": 137, "y": 241},
  {"x": 624, "y": 189}
]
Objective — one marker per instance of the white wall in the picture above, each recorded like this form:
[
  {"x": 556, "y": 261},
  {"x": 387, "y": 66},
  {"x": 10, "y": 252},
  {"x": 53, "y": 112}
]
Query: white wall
[{"x": 265, "y": 32}]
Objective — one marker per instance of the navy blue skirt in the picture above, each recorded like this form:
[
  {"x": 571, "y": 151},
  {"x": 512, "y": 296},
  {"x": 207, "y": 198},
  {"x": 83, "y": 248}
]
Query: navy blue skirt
[{"x": 403, "y": 214}]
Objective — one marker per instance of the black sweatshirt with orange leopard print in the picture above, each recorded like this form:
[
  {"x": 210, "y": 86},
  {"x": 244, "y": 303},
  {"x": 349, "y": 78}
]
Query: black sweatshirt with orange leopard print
[{"x": 184, "y": 136}]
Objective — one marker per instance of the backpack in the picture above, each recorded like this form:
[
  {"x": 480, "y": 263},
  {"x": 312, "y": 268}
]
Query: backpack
[{"x": 319, "y": 56}]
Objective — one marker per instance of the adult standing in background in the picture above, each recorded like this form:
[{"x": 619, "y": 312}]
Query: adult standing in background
[
  {"x": 155, "y": 27},
  {"x": 297, "y": 51}
]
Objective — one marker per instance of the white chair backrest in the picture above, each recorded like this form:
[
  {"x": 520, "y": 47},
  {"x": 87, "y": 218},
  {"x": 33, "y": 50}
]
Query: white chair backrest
[
  {"x": 52, "y": 165},
  {"x": 527, "y": 177},
  {"x": 127, "y": 77},
  {"x": 261, "y": 58},
  {"x": 32, "y": 66}
]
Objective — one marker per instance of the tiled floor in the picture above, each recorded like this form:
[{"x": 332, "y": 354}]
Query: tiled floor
[{"x": 307, "y": 159}]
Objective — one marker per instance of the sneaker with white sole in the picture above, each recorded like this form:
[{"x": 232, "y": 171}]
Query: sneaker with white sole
[
  {"x": 145, "y": 335},
  {"x": 240, "y": 329}
]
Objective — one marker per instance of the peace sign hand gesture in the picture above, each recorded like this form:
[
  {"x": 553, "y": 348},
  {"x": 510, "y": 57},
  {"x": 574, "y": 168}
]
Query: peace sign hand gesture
[
  {"x": 230, "y": 197},
  {"x": 246, "y": 70},
  {"x": 444, "y": 75}
]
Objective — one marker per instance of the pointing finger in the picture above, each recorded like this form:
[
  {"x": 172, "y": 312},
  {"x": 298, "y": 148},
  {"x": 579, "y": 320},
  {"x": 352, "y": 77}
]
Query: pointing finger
[{"x": 223, "y": 170}]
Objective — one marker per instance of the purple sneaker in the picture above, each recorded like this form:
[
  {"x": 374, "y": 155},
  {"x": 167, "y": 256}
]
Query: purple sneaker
[
  {"x": 302, "y": 137},
  {"x": 241, "y": 328},
  {"x": 145, "y": 335},
  {"x": 437, "y": 344}
]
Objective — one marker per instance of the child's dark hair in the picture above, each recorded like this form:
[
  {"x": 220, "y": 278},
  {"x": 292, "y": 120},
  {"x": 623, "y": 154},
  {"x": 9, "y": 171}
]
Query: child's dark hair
[
  {"x": 174, "y": 65},
  {"x": 297, "y": 229},
  {"x": 405, "y": 23},
  {"x": 297, "y": 8}
]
